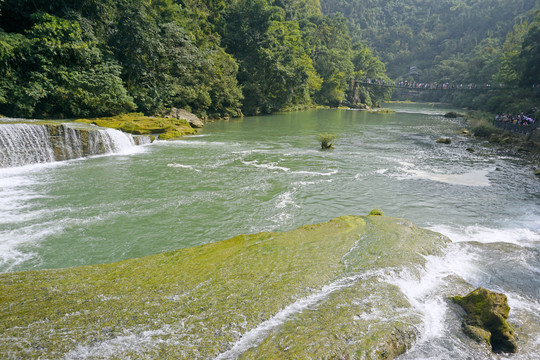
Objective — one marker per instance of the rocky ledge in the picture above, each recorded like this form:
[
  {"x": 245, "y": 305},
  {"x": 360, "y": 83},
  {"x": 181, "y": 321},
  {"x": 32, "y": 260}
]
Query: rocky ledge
[
  {"x": 320, "y": 291},
  {"x": 139, "y": 124}
]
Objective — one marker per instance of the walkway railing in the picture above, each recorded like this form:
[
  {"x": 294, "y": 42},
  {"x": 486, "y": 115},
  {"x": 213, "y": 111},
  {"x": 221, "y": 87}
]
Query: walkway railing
[{"x": 433, "y": 86}]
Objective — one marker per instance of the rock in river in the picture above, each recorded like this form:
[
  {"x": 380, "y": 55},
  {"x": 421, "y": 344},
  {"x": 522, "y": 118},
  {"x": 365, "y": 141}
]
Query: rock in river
[{"x": 487, "y": 312}]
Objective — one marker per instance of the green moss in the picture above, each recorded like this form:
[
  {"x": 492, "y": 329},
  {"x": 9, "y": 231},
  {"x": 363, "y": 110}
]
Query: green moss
[
  {"x": 487, "y": 312},
  {"x": 383, "y": 111},
  {"x": 444, "y": 141},
  {"x": 138, "y": 124},
  {"x": 376, "y": 212},
  {"x": 194, "y": 303}
]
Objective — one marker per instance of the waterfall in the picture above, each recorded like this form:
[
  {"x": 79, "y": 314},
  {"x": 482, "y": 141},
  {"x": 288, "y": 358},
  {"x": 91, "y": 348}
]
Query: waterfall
[{"x": 22, "y": 144}]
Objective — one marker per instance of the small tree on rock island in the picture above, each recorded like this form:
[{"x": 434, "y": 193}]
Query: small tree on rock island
[{"x": 327, "y": 141}]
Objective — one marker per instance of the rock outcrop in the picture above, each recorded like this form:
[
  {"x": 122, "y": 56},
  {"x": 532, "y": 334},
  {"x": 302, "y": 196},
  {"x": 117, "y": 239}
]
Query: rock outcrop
[
  {"x": 310, "y": 293},
  {"x": 487, "y": 312},
  {"x": 444, "y": 141},
  {"x": 191, "y": 118}
]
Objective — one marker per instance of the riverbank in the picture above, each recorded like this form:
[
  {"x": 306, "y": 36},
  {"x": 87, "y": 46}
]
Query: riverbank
[{"x": 482, "y": 127}]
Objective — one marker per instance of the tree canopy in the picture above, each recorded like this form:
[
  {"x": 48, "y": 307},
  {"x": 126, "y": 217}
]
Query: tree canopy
[
  {"x": 103, "y": 57},
  {"x": 456, "y": 41}
]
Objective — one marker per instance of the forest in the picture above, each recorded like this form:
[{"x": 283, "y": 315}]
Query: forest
[
  {"x": 456, "y": 41},
  {"x": 217, "y": 58}
]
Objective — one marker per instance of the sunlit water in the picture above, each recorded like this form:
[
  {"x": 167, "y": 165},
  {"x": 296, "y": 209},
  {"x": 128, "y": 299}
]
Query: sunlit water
[{"x": 268, "y": 174}]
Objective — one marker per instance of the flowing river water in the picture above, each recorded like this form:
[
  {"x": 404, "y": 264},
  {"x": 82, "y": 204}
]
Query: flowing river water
[{"x": 268, "y": 174}]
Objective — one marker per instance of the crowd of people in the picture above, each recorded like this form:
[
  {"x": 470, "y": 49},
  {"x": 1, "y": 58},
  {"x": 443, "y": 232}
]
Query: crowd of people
[
  {"x": 427, "y": 86},
  {"x": 525, "y": 119}
]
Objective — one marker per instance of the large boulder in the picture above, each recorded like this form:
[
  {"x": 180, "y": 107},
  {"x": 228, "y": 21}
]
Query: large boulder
[
  {"x": 487, "y": 312},
  {"x": 191, "y": 118}
]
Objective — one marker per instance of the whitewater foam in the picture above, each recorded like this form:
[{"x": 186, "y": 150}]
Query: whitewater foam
[
  {"x": 472, "y": 178},
  {"x": 422, "y": 287},
  {"x": 486, "y": 235},
  {"x": 189, "y": 167},
  {"x": 274, "y": 166}
]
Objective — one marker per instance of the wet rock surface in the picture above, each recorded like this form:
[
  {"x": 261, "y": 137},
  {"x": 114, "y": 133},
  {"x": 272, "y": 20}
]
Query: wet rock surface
[{"x": 487, "y": 312}]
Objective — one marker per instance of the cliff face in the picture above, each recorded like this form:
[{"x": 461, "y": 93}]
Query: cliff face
[{"x": 319, "y": 291}]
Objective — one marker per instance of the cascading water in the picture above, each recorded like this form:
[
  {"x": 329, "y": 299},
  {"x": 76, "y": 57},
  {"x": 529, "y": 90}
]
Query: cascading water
[{"x": 23, "y": 144}]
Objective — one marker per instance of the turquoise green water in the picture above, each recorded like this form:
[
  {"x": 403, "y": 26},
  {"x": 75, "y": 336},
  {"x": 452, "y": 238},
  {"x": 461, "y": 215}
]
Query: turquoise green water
[
  {"x": 257, "y": 174},
  {"x": 268, "y": 173}
]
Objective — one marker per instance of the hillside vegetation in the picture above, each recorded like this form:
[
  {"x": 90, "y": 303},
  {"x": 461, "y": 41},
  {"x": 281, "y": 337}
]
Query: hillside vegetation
[
  {"x": 105, "y": 57},
  {"x": 456, "y": 41}
]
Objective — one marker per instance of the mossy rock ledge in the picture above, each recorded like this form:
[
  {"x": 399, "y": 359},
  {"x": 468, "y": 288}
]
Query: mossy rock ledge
[
  {"x": 318, "y": 292},
  {"x": 487, "y": 312},
  {"x": 444, "y": 141},
  {"x": 138, "y": 124}
]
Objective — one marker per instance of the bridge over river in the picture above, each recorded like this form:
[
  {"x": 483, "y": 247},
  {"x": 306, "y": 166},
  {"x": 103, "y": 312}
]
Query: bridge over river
[{"x": 433, "y": 86}]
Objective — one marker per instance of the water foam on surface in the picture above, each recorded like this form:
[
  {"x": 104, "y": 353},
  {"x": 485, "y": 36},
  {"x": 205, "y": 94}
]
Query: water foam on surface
[
  {"x": 471, "y": 178},
  {"x": 189, "y": 167},
  {"x": 422, "y": 287},
  {"x": 486, "y": 235}
]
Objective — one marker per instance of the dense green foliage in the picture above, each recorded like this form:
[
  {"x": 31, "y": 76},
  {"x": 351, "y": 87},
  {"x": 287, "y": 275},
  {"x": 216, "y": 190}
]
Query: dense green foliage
[
  {"x": 215, "y": 58},
  {"x": 457, "y": 41}
]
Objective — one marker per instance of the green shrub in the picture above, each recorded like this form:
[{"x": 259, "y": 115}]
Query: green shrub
[
  {"x": 376, "y": 212},
  {"x": 327, "y": 140},
  {"x": 485, "y": 130}
]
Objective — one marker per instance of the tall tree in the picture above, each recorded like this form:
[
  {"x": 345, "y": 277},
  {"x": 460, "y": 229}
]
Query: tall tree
[{"x": 55, "y": 71}]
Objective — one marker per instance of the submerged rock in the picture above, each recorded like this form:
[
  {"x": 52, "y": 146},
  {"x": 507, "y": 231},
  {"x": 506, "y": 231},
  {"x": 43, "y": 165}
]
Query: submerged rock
[
  {"x": 320, "y": 291},
  {"x": 487, "y": 312},
  {"x": 452, "y": 115}
]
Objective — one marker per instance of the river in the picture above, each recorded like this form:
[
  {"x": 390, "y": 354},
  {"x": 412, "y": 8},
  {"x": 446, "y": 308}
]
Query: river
[{"x": 269, "y": 174}]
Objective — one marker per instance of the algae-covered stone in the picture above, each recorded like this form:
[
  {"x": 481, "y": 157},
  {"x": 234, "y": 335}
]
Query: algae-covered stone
[
  {"x": 444, "y": 141},
  {"x": 315, "y": 292},
  {"x": 138, "y": 124},
  {"x": 487, "y": 312},
  {"x": 452, "y": 115}
]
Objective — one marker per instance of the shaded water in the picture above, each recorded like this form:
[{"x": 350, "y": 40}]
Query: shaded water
[{"x": 267, "y": 174}]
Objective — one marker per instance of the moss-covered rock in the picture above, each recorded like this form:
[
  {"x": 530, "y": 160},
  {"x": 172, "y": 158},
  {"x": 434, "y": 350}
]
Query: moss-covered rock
[
  {"x": 487, "y": 312},
  {"x": 452, "y": 115},
  {"x": 199, "y": 302},
  {"x": 444, "y": 141},
  {"x": 138, "y": 124},
  {"x": 191, "y": 118}
]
